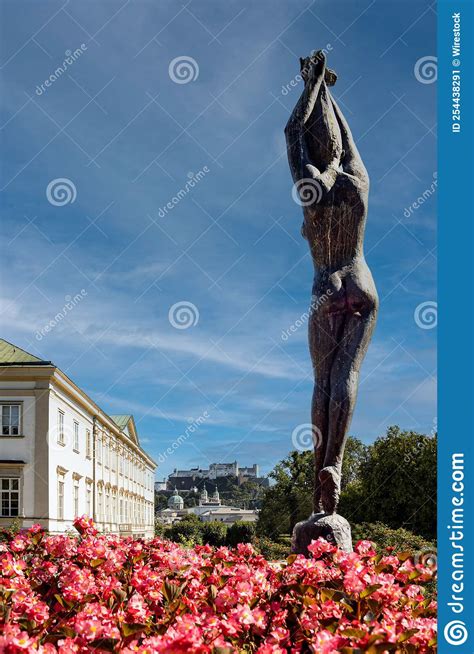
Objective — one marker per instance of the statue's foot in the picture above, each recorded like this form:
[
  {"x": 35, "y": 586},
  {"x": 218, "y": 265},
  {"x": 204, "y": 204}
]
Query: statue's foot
[
  {"x": 333, "y": 528},
  {"x": 330, "y": 479}
]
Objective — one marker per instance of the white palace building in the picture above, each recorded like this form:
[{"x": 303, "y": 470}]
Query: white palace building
[{"x": 61, "y": 456}]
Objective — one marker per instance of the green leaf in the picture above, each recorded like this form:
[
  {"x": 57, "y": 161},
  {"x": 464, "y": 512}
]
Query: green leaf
[
  {"x": 104, "y": 643},
  {"x": 403, "y": 556},
  {"x": 129, "y": 629},
  {"x": 171, "y": 591},
  {"x": 327, "y": 593},
  {"x": 353, "y": 633},
  {"x": 347, "y": 606},
  {"x": 407, "y": 635},
  {"x": 369, "y": 590}
]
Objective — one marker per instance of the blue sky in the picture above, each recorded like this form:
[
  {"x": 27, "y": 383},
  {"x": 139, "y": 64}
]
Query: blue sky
[{"x": 129, "y": 138}]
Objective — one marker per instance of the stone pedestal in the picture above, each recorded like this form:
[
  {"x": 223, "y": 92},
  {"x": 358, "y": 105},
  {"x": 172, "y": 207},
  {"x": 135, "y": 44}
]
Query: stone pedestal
[{"x": 332, "y": 527}]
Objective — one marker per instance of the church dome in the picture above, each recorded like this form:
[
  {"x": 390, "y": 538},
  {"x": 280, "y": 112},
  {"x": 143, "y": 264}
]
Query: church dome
[
  {"x": 176, "y": 501},
  {"x": 215, "y": 496}
]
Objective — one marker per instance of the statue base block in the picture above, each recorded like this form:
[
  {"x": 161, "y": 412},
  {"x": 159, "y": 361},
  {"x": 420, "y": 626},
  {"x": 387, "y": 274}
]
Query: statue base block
[{"x": 332, "y": 527}]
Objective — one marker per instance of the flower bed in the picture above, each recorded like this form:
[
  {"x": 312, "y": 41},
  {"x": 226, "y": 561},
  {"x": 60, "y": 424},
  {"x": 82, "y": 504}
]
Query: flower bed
[{"x": 102, "y": 593}]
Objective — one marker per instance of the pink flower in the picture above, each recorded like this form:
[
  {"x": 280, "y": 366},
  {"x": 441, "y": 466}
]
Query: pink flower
[
  {"x": 36, "y": 529},
  {"x": 85, "y": 525},
  {"x": 365, "y": 548},
  {"x": 76, "y": 583},
  {"x": 153, "y": 597},
  {"x": 320, "y": 547},
  {"x": 137, "y": 610}
]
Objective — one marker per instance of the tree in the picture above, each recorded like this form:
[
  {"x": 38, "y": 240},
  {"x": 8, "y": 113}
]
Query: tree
[
  {"x": 161, "y": 502},
  {"x": 187, "y": 530},
  {"x": 214, "y": 533},
  {"x": 289, "y": 499},
  {"x": 392, "y": 481},
  {"x": 396, "y": 484},
  {"x": 240, "y": 532},
  {"x": 355, "y": 454}
]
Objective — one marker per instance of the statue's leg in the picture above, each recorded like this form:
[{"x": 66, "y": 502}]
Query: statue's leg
[
  {"x": 324, "y": 332},
  {"x": 319, "y": 419},
  {"x": 358, "y": 326}
]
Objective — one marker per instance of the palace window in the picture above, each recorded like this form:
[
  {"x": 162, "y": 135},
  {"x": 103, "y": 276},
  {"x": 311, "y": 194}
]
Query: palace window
[
  {"x": 99, "y": 450},
  {"x": 61, "y": 427},
  {"x": 10, "y": 419},
  {"x": 100, "y": 506},
  {"x": 10, "y": 488},
  {"x": 88, "y": 444},
  {"x": 76, "y": 435},
  {"x": 60, "y": 499},
  {"x": 89, "y": 500},
  {"x": 76, "y": 498}
]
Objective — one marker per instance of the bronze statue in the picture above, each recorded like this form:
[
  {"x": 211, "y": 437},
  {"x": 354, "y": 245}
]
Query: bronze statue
[{"x": 332, "y": 186}]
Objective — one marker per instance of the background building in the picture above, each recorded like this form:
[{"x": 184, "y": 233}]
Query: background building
[
  {"x": 62, "y": 456},
  {"x": 186, "y": 479},
  {"x": 210, "y": 508}
]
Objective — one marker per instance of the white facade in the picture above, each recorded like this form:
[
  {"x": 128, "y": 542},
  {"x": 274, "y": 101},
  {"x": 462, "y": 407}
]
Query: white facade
[
  {"x": 68, "y": 458},
  {"x": 229, "y": 515}
]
